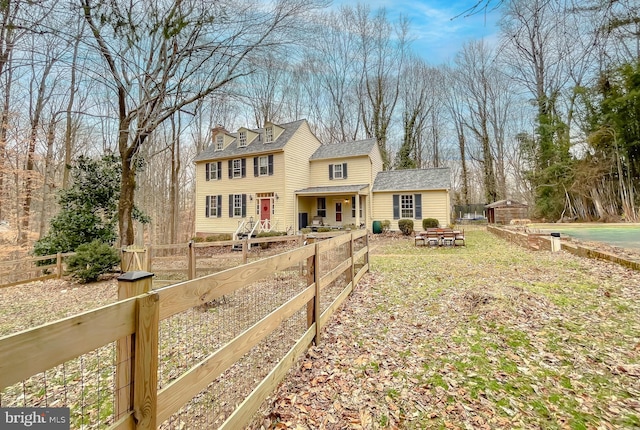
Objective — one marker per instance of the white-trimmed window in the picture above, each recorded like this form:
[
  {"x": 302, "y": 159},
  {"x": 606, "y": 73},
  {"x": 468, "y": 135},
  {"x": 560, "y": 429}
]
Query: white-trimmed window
[
  {"x": 268, "y": 135},
  {"x": 406, "y": 206},
  {"x": 237, "y": 168},
  {"x": 322, "y": 207},
  {"x": 263, "y": 165},
  {"x": 337, "y": 171},
  {"x": 212, "y": 206},
  {"x": 237, "y": 205},
  {"x": 212, "y": 171},
  {"x": 219, "y": 142},
  {"x": 242, "y": 139}
]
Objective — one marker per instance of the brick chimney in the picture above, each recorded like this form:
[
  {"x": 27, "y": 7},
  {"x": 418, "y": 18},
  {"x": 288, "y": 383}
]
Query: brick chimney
[{"x": 217, "y": 129}]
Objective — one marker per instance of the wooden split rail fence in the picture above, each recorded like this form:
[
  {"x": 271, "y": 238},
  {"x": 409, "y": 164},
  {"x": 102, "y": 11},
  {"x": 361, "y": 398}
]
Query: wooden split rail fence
[{"x": 331, "y": 270}]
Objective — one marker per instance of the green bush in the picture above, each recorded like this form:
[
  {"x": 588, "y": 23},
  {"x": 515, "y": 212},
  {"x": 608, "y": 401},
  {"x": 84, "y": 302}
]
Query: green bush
[
  {"x": 324, "y": 229},
  {"x": 197, "y": 239},
  {"x": 406, "y": 226},
  {"x": 271, "y": 233},
  {"x": 386, "y": 225},
  {"x": 220, "y": 237},
  {"x": 430, "y": 223},
  {"x": 305, "y": 230},
  {"x": 92, "y": 260}
]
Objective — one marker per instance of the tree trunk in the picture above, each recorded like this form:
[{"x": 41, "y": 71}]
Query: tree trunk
[{"x": 46, "y": 189}]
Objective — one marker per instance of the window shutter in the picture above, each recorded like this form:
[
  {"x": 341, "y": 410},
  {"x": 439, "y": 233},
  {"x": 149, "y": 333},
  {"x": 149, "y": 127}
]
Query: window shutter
[
  {"x": 220, "y": 206},
  {"x": 417, "y": 201},
  {"x": 396, "y": 206},
  {"x": 344, "y": 170},
  {"x": 330, "y": 171},
  {"x": 255, "y": 166},
  {"x": 230, "y": 169},
  {"x": 244, "y": 205},
  {"x": 207, "y": 171},
  {"x": 270, "y": 165},
  {"x": 230, "y": 205},
  {"x": 219, "y": 170},
  {"x": 207, "y": 204},
  {"x": 244, "y": 167}
]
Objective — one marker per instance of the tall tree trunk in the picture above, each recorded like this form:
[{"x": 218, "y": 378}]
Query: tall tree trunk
[
  {"x": 46, "y": 188},
  {"x": 36, "y": 116},
  {"x": 463, "y": 164},
  {"x": 4, "y": 127},
  {"x": 174, "y": 190},
  {"x": 69, "y": 132}
]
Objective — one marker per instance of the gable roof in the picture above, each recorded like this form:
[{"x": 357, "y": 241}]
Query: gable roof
[
  {"x": 345, "y": 149},
  {"x": 413, "y": 179},
  {"x": 255, "y": 147},
  {"x": 506, "y": 203}
]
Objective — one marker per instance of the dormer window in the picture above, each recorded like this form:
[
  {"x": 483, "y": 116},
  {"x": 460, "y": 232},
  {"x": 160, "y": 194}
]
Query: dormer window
[
  {"x": 219, "y": 142},
  {"x": 268, "y": 135},
  {"x": 242, "y": 139}
]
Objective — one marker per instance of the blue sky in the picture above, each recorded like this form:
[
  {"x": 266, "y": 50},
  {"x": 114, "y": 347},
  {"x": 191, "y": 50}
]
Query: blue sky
[{"x": 438, "y": 35}]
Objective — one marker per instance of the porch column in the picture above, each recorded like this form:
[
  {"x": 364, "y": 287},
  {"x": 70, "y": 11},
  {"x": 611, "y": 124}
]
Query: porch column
[{"x": 357, "y": 210}]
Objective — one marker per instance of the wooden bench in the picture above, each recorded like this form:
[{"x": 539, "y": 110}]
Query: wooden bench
[
  {"x": 440, "y": 236},
  {"x": 430, "y": 237}
]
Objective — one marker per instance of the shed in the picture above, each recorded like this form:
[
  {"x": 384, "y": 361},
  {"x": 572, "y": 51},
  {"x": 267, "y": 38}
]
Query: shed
[{"x": 503, "y": 211}]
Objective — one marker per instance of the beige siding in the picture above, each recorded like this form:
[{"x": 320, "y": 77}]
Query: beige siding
[
  {"x": 435, "y": 204},
  {"x": 249, "y": 185},
  {"x": 376, "y": 162},
  {"x": 297, "y": 153},
  {"x": 358, "y": 172}
]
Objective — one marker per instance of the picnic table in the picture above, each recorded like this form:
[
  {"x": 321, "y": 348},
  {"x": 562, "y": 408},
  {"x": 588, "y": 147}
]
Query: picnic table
[{"x": 440, "y": 237}]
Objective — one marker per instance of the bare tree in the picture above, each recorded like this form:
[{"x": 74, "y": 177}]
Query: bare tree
[
  {"x": 384, "y": 49},
  {"x": 474, "y": 63},
  {"x": 420, "y": 84},
  {"x": 172, "y": 55},
  {"x": 454, "y": 102}
]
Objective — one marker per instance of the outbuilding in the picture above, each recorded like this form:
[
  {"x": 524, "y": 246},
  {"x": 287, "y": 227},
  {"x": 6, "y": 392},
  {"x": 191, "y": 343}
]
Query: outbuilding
[{"x": 503, "y": 211}]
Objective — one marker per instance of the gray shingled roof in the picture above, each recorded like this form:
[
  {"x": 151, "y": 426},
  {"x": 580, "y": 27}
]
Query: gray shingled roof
[
  {"x": 345, "y": 149},
  {"x": 334, "y": 189},
  {"x": 413, "y": 179},
  {"x": 254, "y": 147}
]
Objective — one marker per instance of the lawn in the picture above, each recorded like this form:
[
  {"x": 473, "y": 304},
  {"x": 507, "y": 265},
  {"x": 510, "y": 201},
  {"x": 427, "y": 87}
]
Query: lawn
[{"x": 484, "y": 336}]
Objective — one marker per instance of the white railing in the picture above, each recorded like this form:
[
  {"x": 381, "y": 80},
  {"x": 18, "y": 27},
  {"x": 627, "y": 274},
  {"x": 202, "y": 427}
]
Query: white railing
[
  {"x": 265, "y": 225},
  {"x": 239, "y": 229}
]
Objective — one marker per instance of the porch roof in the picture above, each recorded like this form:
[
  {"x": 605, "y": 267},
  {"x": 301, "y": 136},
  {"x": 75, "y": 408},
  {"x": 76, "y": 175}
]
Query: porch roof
[{"x": 340, "y": 189}]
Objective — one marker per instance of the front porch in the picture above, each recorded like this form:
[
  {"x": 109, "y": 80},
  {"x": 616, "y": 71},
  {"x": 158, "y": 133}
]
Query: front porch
[{"x": 335, "y": 208}]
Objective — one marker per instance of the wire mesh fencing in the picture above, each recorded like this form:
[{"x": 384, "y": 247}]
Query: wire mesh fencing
[
  {"x": 226, "y": 332},
  {"x": 85, "y": 384}
]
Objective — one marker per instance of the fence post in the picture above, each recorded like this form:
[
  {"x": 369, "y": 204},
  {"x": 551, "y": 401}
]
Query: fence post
[
  {"x": 245, "y": 248},
  {"x": 366, "y": 244},
  {"x": 148, "y": 262},
  {"x": 191, "y": 263},
  {"x": 145, "y": 383},
  {"x": 352, "y": 269},
  {"x": 311, "y": 279},
  {"x": 130, "y": 284},
  {"x": 59, "y": 265},
  {"x": 300, "y": 245}
]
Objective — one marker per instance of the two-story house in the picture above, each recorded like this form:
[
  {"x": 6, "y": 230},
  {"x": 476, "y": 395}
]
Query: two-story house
[{"x": 282, "y": 178}]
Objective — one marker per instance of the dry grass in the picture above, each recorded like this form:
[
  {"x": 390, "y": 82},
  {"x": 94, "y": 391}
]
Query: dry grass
[{"x": 486, "y": 336}]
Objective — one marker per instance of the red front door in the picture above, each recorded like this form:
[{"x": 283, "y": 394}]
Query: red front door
[
  {"x": 339, "y": 212},
  {"x": 265, "y": 209}
]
